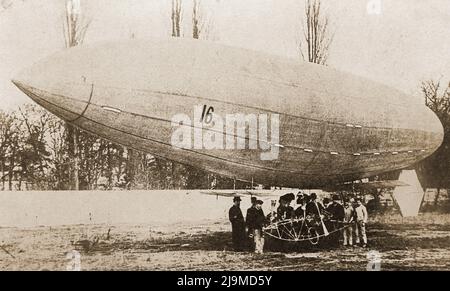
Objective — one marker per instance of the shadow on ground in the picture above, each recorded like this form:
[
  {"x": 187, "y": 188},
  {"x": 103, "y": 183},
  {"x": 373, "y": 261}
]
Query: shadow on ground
[{"x": 381, "y": 237}]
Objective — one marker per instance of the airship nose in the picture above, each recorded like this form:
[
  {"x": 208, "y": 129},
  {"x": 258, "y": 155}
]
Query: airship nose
[{"x": 55, "y": 88}]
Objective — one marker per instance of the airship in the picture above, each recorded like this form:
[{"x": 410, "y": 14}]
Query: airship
[{"x": 322, "y": 126}]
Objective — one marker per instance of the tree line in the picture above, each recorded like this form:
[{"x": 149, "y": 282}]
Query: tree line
[{"x": 35, "y": 155}]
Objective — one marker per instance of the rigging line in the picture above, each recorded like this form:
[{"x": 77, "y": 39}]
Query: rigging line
[{"x": 87, "y": 105}]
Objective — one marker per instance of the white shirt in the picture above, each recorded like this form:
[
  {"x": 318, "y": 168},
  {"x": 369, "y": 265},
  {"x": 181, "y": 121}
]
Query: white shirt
[{"x": 361, "y": 213}]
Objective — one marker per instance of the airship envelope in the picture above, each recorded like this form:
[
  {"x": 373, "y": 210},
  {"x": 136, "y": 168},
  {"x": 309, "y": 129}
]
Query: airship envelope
[{"x": 235, "y": 112}]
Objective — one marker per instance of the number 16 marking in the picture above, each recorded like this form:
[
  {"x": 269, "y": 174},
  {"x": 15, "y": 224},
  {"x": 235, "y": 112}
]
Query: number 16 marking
[{"x": 207, "y": 114}]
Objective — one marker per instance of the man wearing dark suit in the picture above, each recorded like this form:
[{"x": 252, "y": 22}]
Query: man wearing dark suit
[
  {"x": 250, "y": 220},
  {"x": 313, "y": 207},
  {"x": 337, "y": 213},
  {"x": 237, "y": 224}
]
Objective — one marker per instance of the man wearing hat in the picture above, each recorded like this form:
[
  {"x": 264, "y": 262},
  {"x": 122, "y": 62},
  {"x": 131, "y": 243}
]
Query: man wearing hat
[
  {"x": 284, "y": 210},
  {"x": 237, "y": 224},
  {"x": 326, "y": 202},
  {"x": 260, "y": 221},
  {"x": 336, "y": 209},
  {"x": 337, "y": 213},
  {"x": 250, "y": 220},
  {"x": 313, "y": 207},
  {"x": 300, "y": 210}
]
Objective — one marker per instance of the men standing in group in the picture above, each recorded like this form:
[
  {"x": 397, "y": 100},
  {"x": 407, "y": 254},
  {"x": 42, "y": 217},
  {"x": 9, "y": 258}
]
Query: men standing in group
[
  {"x": 349, "y": 215},
  {"x": 326, "y": 202},
  {"x": 260, "y": 221},
  {"x": 336, "y": 210},
  {"x": 284, "y": 210},
  {"x": 361, "y": 218},
  {"x": 301, "y": 206},
  {"x": 237, "y": 224},
  {"x": 313, "y": 207},
  {"x": 250, "y": 219}
]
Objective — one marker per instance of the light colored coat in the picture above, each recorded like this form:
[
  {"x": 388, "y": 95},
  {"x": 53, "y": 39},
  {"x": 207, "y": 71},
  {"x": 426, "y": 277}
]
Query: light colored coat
[{"x": 361, "y": 213}]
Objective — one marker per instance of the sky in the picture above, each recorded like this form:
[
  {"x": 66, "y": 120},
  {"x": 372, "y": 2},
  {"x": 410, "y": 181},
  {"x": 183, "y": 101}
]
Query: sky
[{"x": 401, "y": 44}]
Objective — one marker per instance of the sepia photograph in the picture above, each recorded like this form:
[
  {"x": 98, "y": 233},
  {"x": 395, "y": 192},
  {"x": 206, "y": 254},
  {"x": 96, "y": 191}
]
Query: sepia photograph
[{"x": 224, "y": 135}]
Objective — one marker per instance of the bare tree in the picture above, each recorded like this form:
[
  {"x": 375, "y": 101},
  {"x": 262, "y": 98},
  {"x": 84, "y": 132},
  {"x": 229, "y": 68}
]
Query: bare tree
[
  {"x": 198, "y": 23},
  {"x": 176, "y": 17},
  {"x": 36, "y": 122},
  {"x": 58, "y": 148},
  {"x": 33, "y": 155},
  {"x": 75, "y": 27},
  {"x": 317, "y": 37},
  {"x": 434, "y": 171},
  {"x": 12, "y": 154},
  {"x": 6, "y": 138},
  {"x": 131, "y": 168}
]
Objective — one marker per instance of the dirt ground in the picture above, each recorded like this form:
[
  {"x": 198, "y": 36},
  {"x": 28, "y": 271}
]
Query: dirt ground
[{"x": 421, "y": 243}]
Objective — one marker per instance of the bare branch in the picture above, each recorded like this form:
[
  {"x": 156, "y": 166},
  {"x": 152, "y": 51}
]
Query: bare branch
[
  {"x": 75, "y": 26},
  {"x": 316, "y": 34},
  {"x": 439, "y": 103},
  {"x": 176, "y": 17}
]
